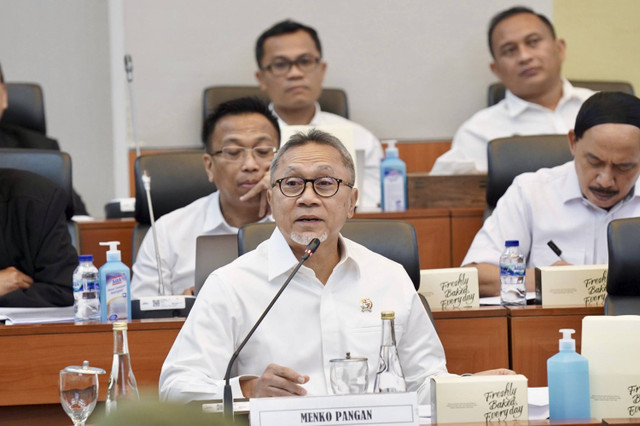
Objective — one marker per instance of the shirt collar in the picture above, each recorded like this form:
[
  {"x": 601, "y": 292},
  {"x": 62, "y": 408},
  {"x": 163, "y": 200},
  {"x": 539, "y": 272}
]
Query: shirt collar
[
  {"x": 315, "y": 120},
  {"x": 214, "y": 221},
  {"x": 516, "y": 106}
]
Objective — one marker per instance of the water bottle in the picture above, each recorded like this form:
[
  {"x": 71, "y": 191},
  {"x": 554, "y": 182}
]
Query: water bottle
[
  {"x": 389, "y": 377},
  {"x": 122, "y": 383},
  {"x": 568, "y": 379},
  {"x": 86, "y": 290},
  {"x": 512, "y": 274}
]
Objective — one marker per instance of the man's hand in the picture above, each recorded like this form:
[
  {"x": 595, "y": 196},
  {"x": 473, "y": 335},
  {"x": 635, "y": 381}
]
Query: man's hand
[
  {"x": 12, "y": 279},
  {"x": 190, "y": 291},
  {"x": 260, "y": 190},
  {"x": 560, "y": 263},
  {"x": 496, "y": 372},
  {"x": 275, "y": 381}
]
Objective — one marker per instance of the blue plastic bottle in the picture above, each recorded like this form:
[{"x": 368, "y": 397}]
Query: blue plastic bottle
[
  {"x": 115, "y": 286},
  {"x": 393, "y": 179},
  {"x": 568, "y": 379}
]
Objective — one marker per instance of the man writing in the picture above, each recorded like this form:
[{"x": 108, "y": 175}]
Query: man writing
[
  {"x": 570, "y": 204},
  {"x": 291, "y": 71},
  {"x": 240, "y": 139},
  {"x": 319, "y": 316},
  {"x": 527, "y": 58}
]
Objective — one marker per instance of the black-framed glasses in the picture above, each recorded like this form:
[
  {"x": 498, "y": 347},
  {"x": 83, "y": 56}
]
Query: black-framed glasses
[
  {"x": 325, "y": 186},
  {"x": 237, "y": 153},
  {"x": 282, "y": 66}
]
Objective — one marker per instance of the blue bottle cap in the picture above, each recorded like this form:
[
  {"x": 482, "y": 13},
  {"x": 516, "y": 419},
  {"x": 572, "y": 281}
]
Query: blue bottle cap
[
  {"x": 512, "y": 243},
  {"x": 85, "y": 258}
]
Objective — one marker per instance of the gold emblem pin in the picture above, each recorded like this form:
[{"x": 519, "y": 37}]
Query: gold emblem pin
[{"x": 366, "y": 304}]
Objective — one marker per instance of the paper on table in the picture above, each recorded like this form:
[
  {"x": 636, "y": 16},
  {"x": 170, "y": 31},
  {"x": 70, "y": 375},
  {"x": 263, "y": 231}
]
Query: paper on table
[
  {"x": 495, "y": 300},
  {"x": 538, "y": 403},
  {"x": 13, "y": 316}
]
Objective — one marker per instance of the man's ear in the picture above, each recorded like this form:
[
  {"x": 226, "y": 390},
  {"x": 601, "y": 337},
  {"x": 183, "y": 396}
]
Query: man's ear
[
  {"x": 561, "y": 45},
  {"x": 353, "y": 198},
  {"x": 260, "y": 77},
  {"x": 573, "y": 140},
  {"x": 209, "y": 167},
  {"x": 494, "y": 69}
]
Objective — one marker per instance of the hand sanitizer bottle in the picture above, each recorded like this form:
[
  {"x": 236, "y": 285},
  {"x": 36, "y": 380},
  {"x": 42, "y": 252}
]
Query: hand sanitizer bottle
[
  {"x": 115, "y": 286},
  {"x": 393, "y": 178},
  {"x": 568, "y": 379}
]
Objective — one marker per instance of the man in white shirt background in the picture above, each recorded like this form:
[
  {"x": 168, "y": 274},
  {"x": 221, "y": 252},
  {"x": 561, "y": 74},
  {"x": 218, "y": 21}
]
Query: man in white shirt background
[
  {"x": 291, "y": 72},
  {"x": 571, "y": 204},
  {"x": 527, "y": 58},
  {"x": 240, "y": 138}
]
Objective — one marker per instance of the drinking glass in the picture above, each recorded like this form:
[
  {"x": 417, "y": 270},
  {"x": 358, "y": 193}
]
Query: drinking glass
[
  {"x": 349, "y": 375},
  {"x": 79, "y": 391}
]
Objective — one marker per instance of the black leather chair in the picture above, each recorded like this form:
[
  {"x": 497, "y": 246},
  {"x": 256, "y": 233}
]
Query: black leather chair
[
  {"x": 177, "y": 179},
  {"x": 509, "y": 157},
  {"x": 496, "y": 91},
  {"x": 26, "y": 107},
  {"x": 623, "y": 277},
  {"x": 393, "y": 239},
  {"x": 331, "y": 100},
  {"x": 54, "y": 165}
]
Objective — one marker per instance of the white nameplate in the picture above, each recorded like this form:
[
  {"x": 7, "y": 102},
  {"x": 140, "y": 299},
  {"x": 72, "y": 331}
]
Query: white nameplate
[
  {"x": 584, "y": 285},
  {"x": 156, "y": 303},
  {"x": 450, "y": 288},
  {"x": 611, "y": 345},
  {"x": 361, "y": 409},
  {"x": 479, "y": 399}
]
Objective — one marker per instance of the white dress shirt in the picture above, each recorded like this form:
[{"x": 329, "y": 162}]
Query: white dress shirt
[
  {"x": 369, "y": 196},
  {"x": 309, "y": 325},
  {"x": 511, "y": 116},
  {"x": 177, "y": 233},
  {"x": 548, "y": 205}
]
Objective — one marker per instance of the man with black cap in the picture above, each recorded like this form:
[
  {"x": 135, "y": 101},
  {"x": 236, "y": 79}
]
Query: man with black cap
[{"x": 571, "y": 204}]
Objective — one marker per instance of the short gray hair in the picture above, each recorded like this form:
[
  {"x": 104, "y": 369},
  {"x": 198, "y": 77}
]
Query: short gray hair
[{"x": 321, "y": 138}]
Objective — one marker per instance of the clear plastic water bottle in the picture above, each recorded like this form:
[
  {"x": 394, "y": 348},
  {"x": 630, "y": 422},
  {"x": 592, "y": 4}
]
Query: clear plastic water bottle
[
  {"x": 389, "y": 377},
  {"x": 123, "y": 387},
  {"x": 512, "y": 275},
  {"x": 86, "y": 290}
]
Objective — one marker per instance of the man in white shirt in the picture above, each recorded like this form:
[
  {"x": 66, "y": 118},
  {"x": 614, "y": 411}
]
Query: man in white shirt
[
  {"x": 291, "y": 71},
  {"x": 332, "y": 306},
  {"x": 240, "y": 137},
  {"x": 527, "y": 58},
  {"x": 571, "y": 204}
]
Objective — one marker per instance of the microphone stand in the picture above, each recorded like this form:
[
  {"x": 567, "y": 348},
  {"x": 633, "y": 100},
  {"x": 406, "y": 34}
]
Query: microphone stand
[
  {"x": 227, "y": 398},
  {"x": 128, "y": 66},
  {"x": 146, "y": 181}
]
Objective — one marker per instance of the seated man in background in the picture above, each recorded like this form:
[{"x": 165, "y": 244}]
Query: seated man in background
[
  {"x": 527, "y": 58},
  {"x": 240, "y": 138},
  {"x": 291, "y": 72},
  {"x": 571, "y": 204},
  {"x": 18, "y": 137},
  {"x": 36, "y": 256},
  {"x": 320, "y": 313}
]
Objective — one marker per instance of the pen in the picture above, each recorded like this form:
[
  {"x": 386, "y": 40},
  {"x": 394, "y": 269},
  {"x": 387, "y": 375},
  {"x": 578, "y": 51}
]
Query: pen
[{"x": 555, "y": 249}]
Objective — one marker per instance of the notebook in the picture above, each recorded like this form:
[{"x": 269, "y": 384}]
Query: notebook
[{"x": 212, "y": 252}]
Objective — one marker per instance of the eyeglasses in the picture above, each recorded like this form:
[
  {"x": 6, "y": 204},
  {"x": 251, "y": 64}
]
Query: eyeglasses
[
  {"x": 282, "y": 66},
  {"x": 325, "y": 186},
  {"x": 237, "y": 153}
]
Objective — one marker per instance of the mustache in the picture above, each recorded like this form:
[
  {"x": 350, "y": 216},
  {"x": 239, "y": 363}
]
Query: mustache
[{"x": 603, "y": 191}]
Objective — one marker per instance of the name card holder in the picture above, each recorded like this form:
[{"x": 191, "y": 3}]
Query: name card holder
[
  {"x": 584, "y": 285},
  {"x": 380, "y": 409},
  {"x": 450, "y": 288},
  {"x": 479, "y": 399}
]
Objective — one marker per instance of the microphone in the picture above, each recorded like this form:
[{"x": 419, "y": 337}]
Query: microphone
[
  {"x": 227, "y": 398},
  {"x": 128, "y": 67}
]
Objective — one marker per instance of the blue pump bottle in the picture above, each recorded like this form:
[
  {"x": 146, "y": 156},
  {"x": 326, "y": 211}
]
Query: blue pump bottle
[
  {"x": 568, "y": 379},
  {"x": 393, "y": 178},
  {"x": 115, "y": 286}
]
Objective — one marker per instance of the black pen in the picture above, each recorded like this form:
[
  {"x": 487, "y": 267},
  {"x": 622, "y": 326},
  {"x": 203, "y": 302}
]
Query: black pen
[{"x": 555, "y": 249}]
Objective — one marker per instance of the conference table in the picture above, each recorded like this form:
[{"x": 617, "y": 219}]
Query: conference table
[{"x": 474, "y": 340}]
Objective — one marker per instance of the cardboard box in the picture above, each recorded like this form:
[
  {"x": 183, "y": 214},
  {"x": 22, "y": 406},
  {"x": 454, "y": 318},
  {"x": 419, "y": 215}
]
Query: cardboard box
[
  {"x": 611, "y": 345},
  {"x": 479, "y": 399},
  {"x": 450, "y": 288},
  {"x": 584, "y": 285}
]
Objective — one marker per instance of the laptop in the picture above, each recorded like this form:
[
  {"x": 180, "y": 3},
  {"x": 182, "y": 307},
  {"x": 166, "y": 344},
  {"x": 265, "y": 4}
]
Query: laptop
[{"x": 212, "y": 252}]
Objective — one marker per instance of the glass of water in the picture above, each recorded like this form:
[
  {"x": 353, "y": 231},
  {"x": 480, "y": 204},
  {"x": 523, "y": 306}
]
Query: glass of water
[
  {"x": 79, "y": 391},
  {"x": 349, "y": 375}
]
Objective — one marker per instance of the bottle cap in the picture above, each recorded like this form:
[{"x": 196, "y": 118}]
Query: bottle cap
[
  {"x": 83, "y": 369},
  {"x": 388, "y": 315},
  {"x": 119, "y": 326},
  {"x": 512, "y": 243},
  {"x": 567, "y": 343},
  {"x": 113, "y": 253},
  {"x": 85, "y": 258}
]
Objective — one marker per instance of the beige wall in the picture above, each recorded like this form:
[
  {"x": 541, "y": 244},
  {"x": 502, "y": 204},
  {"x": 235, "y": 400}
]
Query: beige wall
[{"x": 603, "y": 39}]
